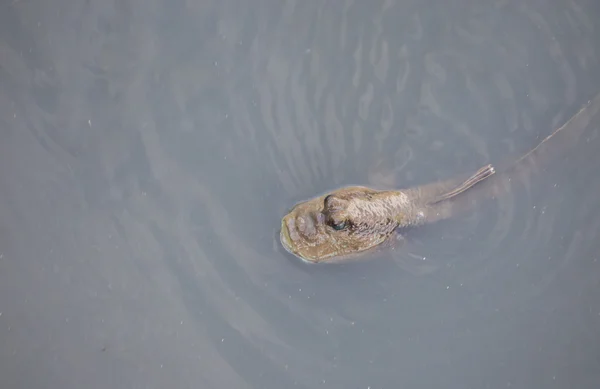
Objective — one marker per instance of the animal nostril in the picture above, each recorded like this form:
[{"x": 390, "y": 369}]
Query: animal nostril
[
  {"x": 310, "y": 226},
  {"x": 306, "y": 225},
  {"x": 301, "y": 223},
  {"x": 320, "y": 218},
  {"x": 291, "y": 227}
]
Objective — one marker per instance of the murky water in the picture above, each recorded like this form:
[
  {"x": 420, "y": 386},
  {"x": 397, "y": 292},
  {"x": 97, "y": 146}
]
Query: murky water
[{"x": 148, "y": 150}]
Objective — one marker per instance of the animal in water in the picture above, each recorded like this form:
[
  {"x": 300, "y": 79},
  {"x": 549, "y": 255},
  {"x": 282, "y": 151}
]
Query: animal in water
[{"x": 350, "y": 222}]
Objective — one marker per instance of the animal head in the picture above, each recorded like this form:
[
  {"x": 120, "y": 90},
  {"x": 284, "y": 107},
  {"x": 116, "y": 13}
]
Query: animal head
[{"x": 338, "y": 225}]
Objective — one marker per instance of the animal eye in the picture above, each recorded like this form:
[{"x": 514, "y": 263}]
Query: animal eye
[{"x": 339, "y": 226}]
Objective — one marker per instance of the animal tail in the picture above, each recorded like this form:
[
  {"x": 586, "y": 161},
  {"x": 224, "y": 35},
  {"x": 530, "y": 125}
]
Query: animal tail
[
  {"x": 554, "y": 146},
  {"x": 480, "y": 175}
]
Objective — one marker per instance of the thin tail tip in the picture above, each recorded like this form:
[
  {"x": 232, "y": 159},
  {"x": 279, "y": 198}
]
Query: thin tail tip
[{"x": 488, "y": 169}]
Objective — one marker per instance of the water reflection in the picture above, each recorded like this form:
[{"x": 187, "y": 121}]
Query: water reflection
[{"x": 149, "y": 150}]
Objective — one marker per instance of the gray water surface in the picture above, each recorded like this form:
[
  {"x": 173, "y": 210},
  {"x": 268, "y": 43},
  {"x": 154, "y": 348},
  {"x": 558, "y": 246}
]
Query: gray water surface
[{"x": 148, "y": 150}]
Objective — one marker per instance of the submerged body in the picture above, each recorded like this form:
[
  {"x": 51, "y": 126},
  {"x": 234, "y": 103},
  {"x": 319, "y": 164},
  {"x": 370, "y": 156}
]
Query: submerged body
[{"x": 351, "y": 221}]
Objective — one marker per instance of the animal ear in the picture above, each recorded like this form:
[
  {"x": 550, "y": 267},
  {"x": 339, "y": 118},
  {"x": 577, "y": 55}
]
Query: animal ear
[{"x": 333, "y": 203}]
